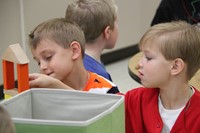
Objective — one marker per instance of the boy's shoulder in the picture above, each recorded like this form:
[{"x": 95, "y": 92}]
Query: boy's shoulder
[
  {"x": 94, "y": 66},
  {"x": 142, "y": 94},
  {"x": 142, "y": 91},
  {"x": 196, "y": 96}
]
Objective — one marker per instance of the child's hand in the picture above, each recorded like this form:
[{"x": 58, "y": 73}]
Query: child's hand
[{"x": 37, "y": 80}]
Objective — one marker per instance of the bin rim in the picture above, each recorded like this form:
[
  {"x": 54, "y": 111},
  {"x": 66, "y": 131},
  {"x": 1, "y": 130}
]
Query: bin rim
[{"x": 62, "y": 122}]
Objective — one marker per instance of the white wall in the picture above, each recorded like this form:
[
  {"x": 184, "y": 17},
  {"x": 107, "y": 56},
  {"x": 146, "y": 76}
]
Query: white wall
[{"x": 19, "y": 17}]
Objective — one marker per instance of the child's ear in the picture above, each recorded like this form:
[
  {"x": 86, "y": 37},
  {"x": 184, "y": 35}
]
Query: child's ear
[
  {"x": 107, "y": 32},
  {"x": 177, "y": 66},
  {"x": 76, "y": 49}
]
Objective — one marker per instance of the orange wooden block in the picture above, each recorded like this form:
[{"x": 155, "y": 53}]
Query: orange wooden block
[
  {"x": 8, "y": 75},
  {"x": 23, "y": 79},
  {"x": 15, "y": 54}
]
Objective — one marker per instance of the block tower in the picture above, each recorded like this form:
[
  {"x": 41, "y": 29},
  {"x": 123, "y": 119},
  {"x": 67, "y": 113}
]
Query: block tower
[{"x": 15, "y": 54}]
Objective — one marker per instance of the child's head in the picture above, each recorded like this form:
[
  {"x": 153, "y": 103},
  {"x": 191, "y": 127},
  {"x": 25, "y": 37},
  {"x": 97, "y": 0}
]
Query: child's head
[
  {"x": 93, "y": 16},
  {"x": 58, "y": 30},
  {"x": 174, "y": 40},
  {"x": 6, "y": 124},
  {"x": 58, "y": 47}
]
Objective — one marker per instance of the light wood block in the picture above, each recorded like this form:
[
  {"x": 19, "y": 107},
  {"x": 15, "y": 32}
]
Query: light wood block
[{"x": 14, "y": 53}]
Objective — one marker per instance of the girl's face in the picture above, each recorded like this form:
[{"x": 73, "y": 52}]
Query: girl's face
[
  {"x": 53, "y": 60},
  {"x": 154, "y": 69}
]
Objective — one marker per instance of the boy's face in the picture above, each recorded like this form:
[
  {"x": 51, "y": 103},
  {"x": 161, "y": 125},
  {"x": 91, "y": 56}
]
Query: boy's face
[
  {"x": 53, "y": 60},
  {"x": 154, "y": 69}
]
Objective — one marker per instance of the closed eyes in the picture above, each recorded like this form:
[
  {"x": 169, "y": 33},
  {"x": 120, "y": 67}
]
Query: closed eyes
[
  {"x": 148, "y": 58},
  {"x": 48, "y": 58}
]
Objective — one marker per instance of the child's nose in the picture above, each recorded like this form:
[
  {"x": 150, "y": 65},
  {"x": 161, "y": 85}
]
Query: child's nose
[
  {"x": 139, "y": 65},
  {"x": 43, "y": 66}
]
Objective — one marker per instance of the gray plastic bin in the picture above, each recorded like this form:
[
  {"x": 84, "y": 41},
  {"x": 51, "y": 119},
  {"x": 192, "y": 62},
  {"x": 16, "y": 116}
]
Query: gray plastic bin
[{"x": 62, "y": 111}]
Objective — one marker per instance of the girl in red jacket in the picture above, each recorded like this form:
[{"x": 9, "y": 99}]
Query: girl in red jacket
[{"x": 167, "y": 103}]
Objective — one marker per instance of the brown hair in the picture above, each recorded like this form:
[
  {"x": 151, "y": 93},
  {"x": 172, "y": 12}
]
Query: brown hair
[
  {"x": 60, "y": 31},
  {"x": 177, "y": 39},
  {"x": 93, "y": 16}
]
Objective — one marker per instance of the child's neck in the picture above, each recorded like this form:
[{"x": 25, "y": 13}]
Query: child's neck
[
  {"x": 95, "y": 48},
  {"x": 175, "y": 99},
  {"x": 81, "y": 81},
  {"x": 95, "y": 55}
]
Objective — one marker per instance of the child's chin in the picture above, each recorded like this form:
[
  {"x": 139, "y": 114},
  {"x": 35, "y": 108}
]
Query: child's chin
[{"x": 147, "y": 85}]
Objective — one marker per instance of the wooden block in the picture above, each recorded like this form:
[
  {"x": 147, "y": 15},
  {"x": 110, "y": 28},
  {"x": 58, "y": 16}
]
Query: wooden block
[
  {"x": 23, "y": 78},
  {"x": 14, "y": 53},
  {"x": 10, "y": 93},
  {"x": 8, "y": 75}
]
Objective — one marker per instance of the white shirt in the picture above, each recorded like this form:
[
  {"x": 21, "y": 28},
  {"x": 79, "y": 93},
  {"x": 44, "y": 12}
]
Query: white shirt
[{"x": 169, "y": 116}]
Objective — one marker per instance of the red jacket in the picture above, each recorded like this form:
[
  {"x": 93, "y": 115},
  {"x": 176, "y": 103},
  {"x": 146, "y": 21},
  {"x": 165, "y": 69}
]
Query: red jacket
[{"x": 142, "y": 114}]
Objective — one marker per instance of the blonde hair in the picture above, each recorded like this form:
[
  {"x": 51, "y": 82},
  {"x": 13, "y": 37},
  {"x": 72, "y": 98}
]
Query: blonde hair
[
  {"x": 60, "y": 31},
  {"x": 6, "y": 124},
  {"x": 93, "y": 16},
  {"x": 177, "y": 39}
]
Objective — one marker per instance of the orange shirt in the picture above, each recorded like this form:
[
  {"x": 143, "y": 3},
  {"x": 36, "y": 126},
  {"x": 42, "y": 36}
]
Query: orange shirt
[{"x": 99, "y": 84}]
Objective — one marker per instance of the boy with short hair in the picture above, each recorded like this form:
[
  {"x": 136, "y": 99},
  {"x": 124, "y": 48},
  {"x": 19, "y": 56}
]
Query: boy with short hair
[
  {"x": 58, "y": 47},
  {"x": 166, "y": 103},
  {"x": 98, "y": 20}
]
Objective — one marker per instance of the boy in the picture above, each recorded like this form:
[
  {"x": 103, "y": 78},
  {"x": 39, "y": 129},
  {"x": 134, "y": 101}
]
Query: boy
[
  {"x": 167, "y": 103},
  {"x": 58, "y": 47},
  {"x": 98, "y": 20}
]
